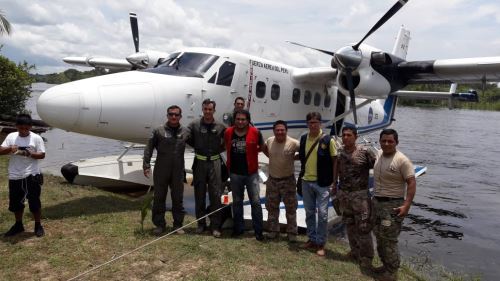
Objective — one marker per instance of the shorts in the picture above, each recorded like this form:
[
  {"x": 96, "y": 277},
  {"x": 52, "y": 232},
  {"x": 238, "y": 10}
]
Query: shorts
[{"x": 20, "y": 190}]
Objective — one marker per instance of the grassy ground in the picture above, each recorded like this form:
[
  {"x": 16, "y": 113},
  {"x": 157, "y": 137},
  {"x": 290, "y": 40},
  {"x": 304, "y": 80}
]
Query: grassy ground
[{"x": 86, "y": 227}]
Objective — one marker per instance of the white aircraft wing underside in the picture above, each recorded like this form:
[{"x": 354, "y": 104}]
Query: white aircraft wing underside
[
  {"x": 108, "y": 63},
  {"x": 314, "y": 75},
  {"x": 467, "y": 70}
]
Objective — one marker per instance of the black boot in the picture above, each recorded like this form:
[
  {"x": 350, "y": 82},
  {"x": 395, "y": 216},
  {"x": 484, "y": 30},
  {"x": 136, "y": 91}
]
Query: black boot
[
  {"x": 15, "y": 229},
  {"x": 39, "y": 232}
]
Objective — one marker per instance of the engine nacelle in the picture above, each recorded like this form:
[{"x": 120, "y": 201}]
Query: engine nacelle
[{"x": 368, "y": 83}]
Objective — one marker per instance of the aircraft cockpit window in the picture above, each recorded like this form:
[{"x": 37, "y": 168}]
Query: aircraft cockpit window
[
  {"x": 327, "y": 101},
  {"x": 317, "y": 99},
  {"x": 260, "y": 89},
  {"x": 226, "y": 73},
  {"x": 212, "y": 79},
  {"x": 296, "y": 95},
  {"x": 307, "y": 97},
  {"x": 275, "y": 92},
  {"x": 185, "y": 64}
]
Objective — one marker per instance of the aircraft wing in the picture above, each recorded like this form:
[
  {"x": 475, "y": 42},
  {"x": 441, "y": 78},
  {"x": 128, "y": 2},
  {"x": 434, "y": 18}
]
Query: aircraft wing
[
  {"x": 466, "y": 70},
  {"x": 314, "y": 75},
  {"x": 108, "y": 63}
]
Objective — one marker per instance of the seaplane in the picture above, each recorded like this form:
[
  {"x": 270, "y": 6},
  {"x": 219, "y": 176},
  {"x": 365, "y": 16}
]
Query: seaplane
[{"x": 361, "y": 87}]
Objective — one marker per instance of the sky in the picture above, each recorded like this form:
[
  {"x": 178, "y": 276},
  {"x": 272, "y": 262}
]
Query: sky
[{"x": 43, "y": 32}]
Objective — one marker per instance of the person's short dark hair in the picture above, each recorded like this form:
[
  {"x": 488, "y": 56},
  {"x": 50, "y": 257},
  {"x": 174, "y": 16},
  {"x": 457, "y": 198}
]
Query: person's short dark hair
[
  {"x": 280, "y": 122},
  {"x": 351, "y": 127},
  {"x": 313, "y": 115},
  {"x": 390, "y": 132},
  {"x": 207, "y": 102},
  {"x": 242, "y": 111},
  {"x": 174, "y": 107},
  {"x": 239, "y": 98},
  {"x": 24, "y": 119}
]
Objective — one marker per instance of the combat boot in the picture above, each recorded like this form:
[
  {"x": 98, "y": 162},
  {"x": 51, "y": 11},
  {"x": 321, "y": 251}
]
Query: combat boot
[
  {"x": 387, "y": 276},
  {"x": 365, "y": 264}
]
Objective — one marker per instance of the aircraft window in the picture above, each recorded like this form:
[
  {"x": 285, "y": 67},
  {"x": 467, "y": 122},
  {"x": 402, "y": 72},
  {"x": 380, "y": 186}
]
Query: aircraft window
[
  {"x": 261, "y": 89},
  {"x": 226, "y": 72},
  {"x": 327, "y": 101},
  {"x": 317, "y": 99},
  {"x": 275, "y": 92},
  {"x": 307, "y": 97},
  {"x": 212, "y": 79},
  {"x": 296, "y": 95},
  {"x": 185, "y": 64}
]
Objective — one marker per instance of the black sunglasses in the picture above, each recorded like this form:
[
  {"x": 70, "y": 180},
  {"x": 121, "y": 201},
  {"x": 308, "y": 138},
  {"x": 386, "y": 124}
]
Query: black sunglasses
[{"x": 174, "y": 114}]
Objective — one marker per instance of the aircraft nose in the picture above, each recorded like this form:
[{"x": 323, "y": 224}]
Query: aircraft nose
[{"x": 59, "y": 106}]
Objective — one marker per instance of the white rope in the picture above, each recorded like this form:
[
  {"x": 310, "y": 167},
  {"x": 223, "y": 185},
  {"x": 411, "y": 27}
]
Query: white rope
[{"x": 143, "y": 246}]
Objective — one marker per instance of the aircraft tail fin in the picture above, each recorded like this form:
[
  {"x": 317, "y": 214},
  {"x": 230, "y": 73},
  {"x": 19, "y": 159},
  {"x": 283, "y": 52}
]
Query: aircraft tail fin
[{"x": 402, "y": 41}]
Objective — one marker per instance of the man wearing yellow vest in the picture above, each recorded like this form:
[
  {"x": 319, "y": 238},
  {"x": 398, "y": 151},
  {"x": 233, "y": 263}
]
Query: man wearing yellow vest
[{"x": 318, "y": 157}]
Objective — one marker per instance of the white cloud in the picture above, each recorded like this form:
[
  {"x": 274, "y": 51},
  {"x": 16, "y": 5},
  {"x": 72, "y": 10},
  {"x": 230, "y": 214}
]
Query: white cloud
[{"x": 58, "y": 28}]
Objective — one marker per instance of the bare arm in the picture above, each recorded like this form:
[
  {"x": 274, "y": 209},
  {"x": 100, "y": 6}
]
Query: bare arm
[
  {"x": 333, "y": 191},
  {"x": 411, "y": 189},
  {"x": 6, "y": 150}
]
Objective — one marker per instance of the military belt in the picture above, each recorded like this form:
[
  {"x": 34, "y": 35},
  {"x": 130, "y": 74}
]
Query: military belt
[
  {"x": 386, "y": 199},
  {"x": 281, "y": 179},
  {"x": 207, "y": 158}
]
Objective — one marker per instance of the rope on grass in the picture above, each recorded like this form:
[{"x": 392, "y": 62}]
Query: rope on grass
[{"x": 140, "y": 247}]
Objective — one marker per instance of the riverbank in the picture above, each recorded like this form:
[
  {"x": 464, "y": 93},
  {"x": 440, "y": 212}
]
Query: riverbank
[{"x": 86, "y": 226}]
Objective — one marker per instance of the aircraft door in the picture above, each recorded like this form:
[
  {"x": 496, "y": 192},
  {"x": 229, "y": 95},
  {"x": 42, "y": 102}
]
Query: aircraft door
[
  {"x": 266, "y": 97},
  {"x": 127, "y": 111}
]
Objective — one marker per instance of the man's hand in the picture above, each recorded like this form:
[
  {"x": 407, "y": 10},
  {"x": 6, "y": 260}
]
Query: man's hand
[
  {"x": 147, "y": 172},
  {"x": 13, "y": 149},
  {"x": 333, "y": 190},
  {"x": 402, "y": 211}
]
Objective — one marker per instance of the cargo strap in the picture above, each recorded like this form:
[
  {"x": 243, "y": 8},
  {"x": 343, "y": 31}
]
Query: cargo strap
[{"x": 207, "y": 158}]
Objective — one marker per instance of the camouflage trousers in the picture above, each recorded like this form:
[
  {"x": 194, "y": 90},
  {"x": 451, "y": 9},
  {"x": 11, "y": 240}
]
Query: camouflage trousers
[
  {"x": 277, "y": 190},
  {"x": 387, "y": 229},
  {"x": 356, "y": 210}
]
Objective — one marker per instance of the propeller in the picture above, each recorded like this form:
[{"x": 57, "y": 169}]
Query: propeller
[
  {"x": 135, "y": 30},
  {"x": 319, "y": 50},
  {"x": 392, "y": 11},
  {"x": 138, "y": 60},
  {"x": 347, "y": 59},
  {"x": 352, "y": 97}
]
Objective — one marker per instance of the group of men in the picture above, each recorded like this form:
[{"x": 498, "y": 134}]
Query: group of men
[{"x": 325, "y": 171}]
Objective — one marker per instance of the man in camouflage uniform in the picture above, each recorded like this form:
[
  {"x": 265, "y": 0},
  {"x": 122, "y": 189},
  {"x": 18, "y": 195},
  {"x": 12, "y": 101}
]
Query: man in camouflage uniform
[
  {"x": 281, "y": 150},
  {"x": 354, "y": 164},
  {"x": 207, "y": 140},
  {"x": 394, "y": 177}
]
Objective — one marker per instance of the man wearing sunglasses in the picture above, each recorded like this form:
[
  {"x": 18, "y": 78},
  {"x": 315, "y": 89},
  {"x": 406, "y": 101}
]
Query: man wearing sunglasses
[{"x": 169, "y": 141}]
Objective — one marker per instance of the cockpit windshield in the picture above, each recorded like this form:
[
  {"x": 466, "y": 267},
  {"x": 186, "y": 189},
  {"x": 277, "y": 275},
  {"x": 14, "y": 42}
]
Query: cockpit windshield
[{"x": 185, "y": 64}]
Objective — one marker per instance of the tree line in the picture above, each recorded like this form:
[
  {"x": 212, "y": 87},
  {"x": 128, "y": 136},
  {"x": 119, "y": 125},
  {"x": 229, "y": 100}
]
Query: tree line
[{"x": 489, "y": 96}]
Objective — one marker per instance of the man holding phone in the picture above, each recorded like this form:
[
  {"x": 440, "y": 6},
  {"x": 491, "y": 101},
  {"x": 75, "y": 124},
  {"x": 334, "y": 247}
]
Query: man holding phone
[{"x": 25, "y": 178}]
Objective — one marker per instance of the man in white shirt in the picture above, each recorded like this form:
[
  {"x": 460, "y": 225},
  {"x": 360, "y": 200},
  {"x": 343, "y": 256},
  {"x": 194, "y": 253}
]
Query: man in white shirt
[{"x": 25, "y": 179}]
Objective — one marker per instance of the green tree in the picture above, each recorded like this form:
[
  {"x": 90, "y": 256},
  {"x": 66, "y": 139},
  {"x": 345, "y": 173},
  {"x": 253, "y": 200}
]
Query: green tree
[
  {"x": 15, "y": 85},
  {"x": 4, "y": 24}
]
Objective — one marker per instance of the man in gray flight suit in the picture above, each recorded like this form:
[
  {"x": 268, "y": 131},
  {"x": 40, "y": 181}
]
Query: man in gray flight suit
[
  {"x": 170, "y": 142},
  {"x": 207, "y": 140}
]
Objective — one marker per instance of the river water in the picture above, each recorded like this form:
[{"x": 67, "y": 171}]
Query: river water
[{"x": 454, "y": 220}]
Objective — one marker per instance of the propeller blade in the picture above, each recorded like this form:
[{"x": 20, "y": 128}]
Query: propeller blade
[
  {"x": 395, "y": 8},
  {"x": 320, "y": 50},
  {"x": 350, "y": 85},
  {"x": 135, "y": 30}
]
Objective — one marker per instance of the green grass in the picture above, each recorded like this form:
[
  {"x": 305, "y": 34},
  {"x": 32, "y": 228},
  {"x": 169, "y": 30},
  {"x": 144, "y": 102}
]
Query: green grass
[{"x": 86, "y": 227}]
